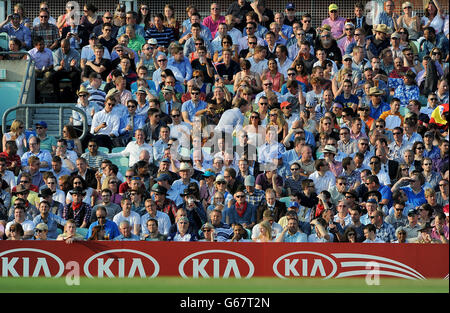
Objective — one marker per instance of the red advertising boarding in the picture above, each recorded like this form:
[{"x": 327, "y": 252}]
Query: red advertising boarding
[{"x": 223, "y": 260}]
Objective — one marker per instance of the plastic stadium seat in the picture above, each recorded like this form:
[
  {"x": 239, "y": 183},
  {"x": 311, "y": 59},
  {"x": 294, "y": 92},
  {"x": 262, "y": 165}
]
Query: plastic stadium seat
[
  {"x": 82, "y": 231},
  {"x": 122, "y": 163},
  {"x": 286, "y": 200},
  {"x": 117, "y": 149}
]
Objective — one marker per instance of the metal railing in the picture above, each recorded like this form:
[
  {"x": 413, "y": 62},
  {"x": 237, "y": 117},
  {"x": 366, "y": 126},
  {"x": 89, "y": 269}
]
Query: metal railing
[{"x": 60, "y": 106}]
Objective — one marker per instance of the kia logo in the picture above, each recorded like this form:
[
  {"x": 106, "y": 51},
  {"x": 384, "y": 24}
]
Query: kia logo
[
  {"x": 304, "y": 264},
  {"x": 121, "y": 263},
  {"x": 217, "y": 264},
  {"x": 15, "y": 265}
]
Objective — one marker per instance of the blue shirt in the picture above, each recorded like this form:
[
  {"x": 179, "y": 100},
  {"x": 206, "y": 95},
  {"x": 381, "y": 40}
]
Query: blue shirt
[
  {"x": 43, "y": 155},
  {"x": 231, "y": 216},
  {"x": 404, "y": 92},
  {"x": 52, "y": 223},
  {"x": 22, "y": 33},
  {"x": 297, "y": 237},
  {"x": 177, "y": 189},
  {"x": 139, "y": 30},
  {"x": 376, "y": 112},
  {"x": 132, "y": 237},
  {"x": 386, "y": 232},
  {"x": 184, "y": 67},
  {"x": 386, "y": 193},
  {"x": 110, "y": 227},
  {"x": 413, "y": 198},
  {"x": 139, "y": 122},
  {"x": 266, "y": 152},
  {"x": 190, "y": 107}
]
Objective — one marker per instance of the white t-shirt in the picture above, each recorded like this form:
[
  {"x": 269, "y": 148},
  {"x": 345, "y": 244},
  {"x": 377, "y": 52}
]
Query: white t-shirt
[
  {"x": 377, "y": 240},
  {"x": 276, "y": 230},
  {"x": 133, "y": 219},
  {"x": 27, "y": 225}
]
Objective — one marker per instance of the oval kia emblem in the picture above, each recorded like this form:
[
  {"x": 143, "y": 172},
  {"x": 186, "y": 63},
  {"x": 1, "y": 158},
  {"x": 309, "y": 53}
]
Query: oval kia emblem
[
  {"x": 121, "y": 263},
  {"x": 304, "y": 264},
  {"x": 216, "y": 264},
  {"x": 30, "y": 262}
]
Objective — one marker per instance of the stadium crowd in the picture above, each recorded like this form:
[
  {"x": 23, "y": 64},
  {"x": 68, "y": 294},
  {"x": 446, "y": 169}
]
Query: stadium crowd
[{"x": 243, "y": 125}]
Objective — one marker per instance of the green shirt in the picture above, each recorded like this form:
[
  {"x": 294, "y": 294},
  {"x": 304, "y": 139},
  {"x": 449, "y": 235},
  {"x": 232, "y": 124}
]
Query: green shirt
[
  {"x": 48, "y": 143},
  {"x": 136, "y": 43}
]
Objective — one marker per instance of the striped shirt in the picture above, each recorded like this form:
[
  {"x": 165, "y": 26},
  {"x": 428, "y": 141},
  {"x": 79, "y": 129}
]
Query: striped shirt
[
  {"x": 94, "y": 161},
  {"x": 164, "y": 37}
]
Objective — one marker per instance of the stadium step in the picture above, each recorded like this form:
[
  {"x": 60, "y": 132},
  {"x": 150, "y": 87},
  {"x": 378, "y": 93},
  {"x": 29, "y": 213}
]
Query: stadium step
[{"x": 51, "y": 117}]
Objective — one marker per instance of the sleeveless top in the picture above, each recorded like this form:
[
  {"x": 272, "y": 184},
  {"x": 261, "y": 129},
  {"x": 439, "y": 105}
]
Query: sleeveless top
[{"x": 413, "y": 34}]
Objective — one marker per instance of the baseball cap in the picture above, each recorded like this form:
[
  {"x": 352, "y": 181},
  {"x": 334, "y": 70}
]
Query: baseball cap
[
  {"x": 347, "y": 56},
  {"x": 372, "y": 201},
  {"x": 412, "y": 212},
  {"x": 332, "y": 7},
  {"x": 141, "y": 89},
  {"x": 207, "y": 226},
  {"x": 220, "y": 178},
  {"x": 163, "y": 177},
  {"x": 41, "y": 226},
  {"x": 159, "y": 189},
  {"x": 249, "y": 180},
  {"x": 209, "y": 174},
  {"x": 284, "y": 104},
  {"x": 93, "y": 35},
  {"x": 294, "y": 204},
  {"x": 152, "y": 41},
  {"x": 168, "y": 89},
  {"x": 290, "y": 6},
  {"x": 42, "y": 123}
]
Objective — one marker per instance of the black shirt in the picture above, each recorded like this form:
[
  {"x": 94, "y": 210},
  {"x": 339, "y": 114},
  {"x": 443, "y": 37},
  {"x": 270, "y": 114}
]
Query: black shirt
[{"x": 229, "y": 71}]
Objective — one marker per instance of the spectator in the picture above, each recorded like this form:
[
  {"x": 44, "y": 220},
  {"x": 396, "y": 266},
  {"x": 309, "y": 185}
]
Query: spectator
[
  {"x": 126, "y": 233},
  {"x": 78, "y": 210},
  {"x": 370, "y": 234},
  {"x": 153, "y": 231},
  {"x": 182, "y": 232},
  {"x": 70, "y": 235},
  {"x": 133, "y": 218},
  {"x": 51, "y": 220}
]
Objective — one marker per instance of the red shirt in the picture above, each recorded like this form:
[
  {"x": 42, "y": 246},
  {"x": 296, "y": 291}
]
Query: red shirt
[{"x": 10, "y": 159}]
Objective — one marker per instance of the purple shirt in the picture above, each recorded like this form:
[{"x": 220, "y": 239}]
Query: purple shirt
[{"x": 42, "y": 59}]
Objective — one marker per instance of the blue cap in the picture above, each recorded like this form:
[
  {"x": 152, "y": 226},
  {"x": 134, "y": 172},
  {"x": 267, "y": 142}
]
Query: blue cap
[
  {"x": 163, "y": 177},
  {"x": 294, "y": 204},
  {"x": 290, "y": 6},
  {"x": 165, "y": 160},
  {"x": 42, "y": 123},
  {"x": 209, "y": 174}
]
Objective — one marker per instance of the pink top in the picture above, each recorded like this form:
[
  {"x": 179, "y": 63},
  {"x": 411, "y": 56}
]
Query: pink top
[
  {"x": 337, "y": 26},
  {"x": 213, "y": 25},
  {"x": 343, "y": 43},
  {"x": 276, "y": 81}
]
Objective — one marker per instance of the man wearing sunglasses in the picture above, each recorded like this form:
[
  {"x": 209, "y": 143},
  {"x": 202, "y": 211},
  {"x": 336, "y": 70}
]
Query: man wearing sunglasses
[{"x": 111, "y": 229}]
